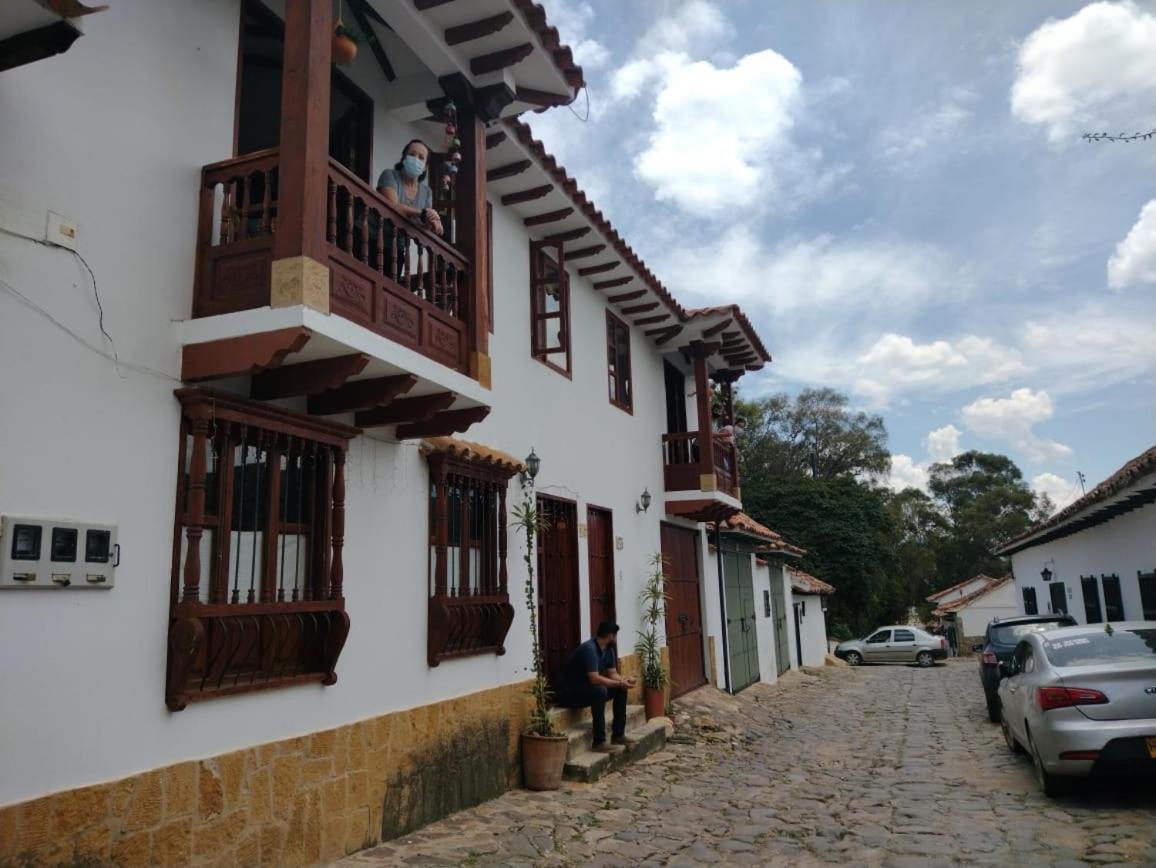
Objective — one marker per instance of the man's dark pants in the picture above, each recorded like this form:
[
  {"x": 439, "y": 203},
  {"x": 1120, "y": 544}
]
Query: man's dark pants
[{"x": 595, "y": 697}]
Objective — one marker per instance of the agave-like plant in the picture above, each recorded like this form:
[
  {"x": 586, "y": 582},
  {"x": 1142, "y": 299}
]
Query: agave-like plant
[
  {"x": 648, "y": 648},
  {"x": 531, "y": 522}
]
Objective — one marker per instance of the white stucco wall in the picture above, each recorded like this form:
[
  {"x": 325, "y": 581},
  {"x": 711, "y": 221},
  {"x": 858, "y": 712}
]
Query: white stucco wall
[
  {"x": 974, "y": 618},
  {"x": 813, "y": 627},
  {"x": 1124, "y": 545},
  {"x": 764, "y": 623},
  {"x": 113, "y": 134}
]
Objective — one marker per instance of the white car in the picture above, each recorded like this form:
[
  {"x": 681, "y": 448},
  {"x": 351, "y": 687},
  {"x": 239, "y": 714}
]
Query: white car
[
  {"x": 897, "y": 643},
  {"x": 1082, "y": 699}
]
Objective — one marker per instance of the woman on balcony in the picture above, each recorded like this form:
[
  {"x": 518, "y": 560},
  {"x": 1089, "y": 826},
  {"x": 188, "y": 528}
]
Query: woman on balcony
[{"x": 405, "y": 186}]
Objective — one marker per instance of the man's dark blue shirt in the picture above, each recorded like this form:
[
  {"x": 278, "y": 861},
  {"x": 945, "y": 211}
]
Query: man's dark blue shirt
[{"x": 587, "y": 658}]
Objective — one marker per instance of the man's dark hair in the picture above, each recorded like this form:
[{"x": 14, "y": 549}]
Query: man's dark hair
[{"x": 606, "y": 628}]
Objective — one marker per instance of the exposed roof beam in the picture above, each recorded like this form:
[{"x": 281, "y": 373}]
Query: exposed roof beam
[
  {"x": 649, "y": 320},
  {"x": 405, "y": 410},
  {"x": 497, "y": 60},
  {"x": 584, "y": 251},
  {"x": 306, "y": 378},
  {"x": 598, "y": 269},
  {"x": 548, "y": 217},
  {"x": 500, "y": 173},
  {"x": 443, "y": 424},
  {"x": 495, "y": 139},
  {"x": 715, "y": 329},
  {"x": 247, "y": 354},
  {"x": 423, "y": 5},
  {"x": 541, "y": 98},
  {"x": 527, "y": 195},
  {"x": 670, "y": 334},
  {"x": 627, "y": 296},
  {"x": 357, "y": 7},
  {"x": 361, "y": 394},
  {"x": 640, "y": 308},
  {"x": 570, "y": 235},
  {"x": 731, "y": 336},
  {"x": 610, "y": 284},
  {"x": 477, "y": 29}
]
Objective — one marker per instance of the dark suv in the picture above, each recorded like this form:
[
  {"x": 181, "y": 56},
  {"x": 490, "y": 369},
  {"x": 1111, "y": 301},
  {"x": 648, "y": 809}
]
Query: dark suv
[{"x": 1000, "y": 640}]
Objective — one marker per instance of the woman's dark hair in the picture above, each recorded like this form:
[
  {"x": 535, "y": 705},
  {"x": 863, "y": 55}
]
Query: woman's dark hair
[{"x": 404, "y": 150}]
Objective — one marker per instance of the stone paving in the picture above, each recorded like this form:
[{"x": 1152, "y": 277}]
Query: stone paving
[{"x": 870, "y": 766}]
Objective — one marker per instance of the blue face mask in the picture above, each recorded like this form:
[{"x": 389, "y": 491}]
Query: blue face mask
[{"x": 412, "y": 166}]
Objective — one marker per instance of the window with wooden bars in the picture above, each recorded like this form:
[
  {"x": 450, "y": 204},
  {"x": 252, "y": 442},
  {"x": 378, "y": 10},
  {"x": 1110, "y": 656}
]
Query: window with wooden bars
[
  {"x": 257, "y": 597},
  {"x": 549, "y": 306},
  {"x": 469, "y": 600},
  {"x": 1113, "y": 598},
  {"x": 618, "y": 363}
]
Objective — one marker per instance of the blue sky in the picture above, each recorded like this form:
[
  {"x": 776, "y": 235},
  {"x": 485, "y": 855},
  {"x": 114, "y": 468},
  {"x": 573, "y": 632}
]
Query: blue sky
[{"x": 897, "y": 193}]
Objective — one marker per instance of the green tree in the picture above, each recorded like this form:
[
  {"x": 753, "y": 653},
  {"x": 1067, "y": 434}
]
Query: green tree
[{"x": 921, "y": 531}]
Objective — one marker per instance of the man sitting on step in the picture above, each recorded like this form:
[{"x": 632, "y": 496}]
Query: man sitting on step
[{"x": 590, "y": 678}]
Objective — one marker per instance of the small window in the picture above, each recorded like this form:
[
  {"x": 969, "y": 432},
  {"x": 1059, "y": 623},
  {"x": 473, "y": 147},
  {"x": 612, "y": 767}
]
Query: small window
[
  {"x": 1091, "y": 590},
  {"x": 1148, "y": 594},
  {"x": 549, "y": 306},
  {"x": 1031, "y": 606},
  {"x": 618, "y": 363},
  {"x": 880, "y": 637},
  {"x": 1113, "y": 598},
  {"x": 904, "y": 636},
  {"x": 1059, "y": 599}
]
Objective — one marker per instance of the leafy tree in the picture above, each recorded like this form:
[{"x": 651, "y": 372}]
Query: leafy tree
[{"x": 921, "y": 531}]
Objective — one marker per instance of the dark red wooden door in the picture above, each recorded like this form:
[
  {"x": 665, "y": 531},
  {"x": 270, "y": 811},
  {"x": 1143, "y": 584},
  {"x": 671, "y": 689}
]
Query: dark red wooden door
[
  {"x": 600, "y": 545},
  {"x": 559, "y": 622},
  {"x": 680, "y": 569}
]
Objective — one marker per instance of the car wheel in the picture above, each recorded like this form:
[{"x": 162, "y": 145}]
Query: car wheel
[
  {"x": 1008, "y": 737},
  {"x": 993, "y": 712},
  {"x": 924, "y": 659},
  {"x": 853, "y": 658},
  {"x": 1052, "y": 785}
]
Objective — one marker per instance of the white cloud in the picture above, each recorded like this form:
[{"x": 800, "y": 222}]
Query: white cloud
[
  {"x": 665, "y": 45},
  {"x": 934, "y": 125},
  {"x": 1012, "y": 420},
  {"x": 1135, "y": 258},
  {"x": 907, "y": 473},
  {"x": 1085, "y": 348},
  {"x": 943, "y": 443},
  {"x": 1092, "y": 70},
  {"x": 1061, "y": 491},
  {"x": 572, "y": 20}
]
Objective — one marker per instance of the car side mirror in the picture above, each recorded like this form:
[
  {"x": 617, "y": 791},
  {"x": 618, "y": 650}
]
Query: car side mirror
[
  {"x": 1004, "y": 669},
  {"x": 977, "y": 647}
]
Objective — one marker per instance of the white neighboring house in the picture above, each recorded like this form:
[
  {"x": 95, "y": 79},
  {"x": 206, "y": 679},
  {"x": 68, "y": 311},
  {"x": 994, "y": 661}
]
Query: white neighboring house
[
  {"x": 809, "y": 624},
  {"x": 1095, "y": 559},
  {"x": 971, "y": 612}
]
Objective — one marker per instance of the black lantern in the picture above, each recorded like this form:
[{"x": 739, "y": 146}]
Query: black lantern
[
  {"x": 533, "y": 463},
  {"x": 644, "y": 499},
  {"x": 1046, "y": 574}
]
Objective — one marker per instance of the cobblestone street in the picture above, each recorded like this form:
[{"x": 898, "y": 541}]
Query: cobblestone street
[{"x": 869, "y": 766}]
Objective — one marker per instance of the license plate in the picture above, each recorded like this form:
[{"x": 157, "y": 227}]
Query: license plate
[{"x": 1151, "y": 741}]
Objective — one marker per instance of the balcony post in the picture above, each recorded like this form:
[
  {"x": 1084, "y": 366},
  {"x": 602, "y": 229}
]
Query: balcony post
[
  {"x": 473, "y": 239},
  {"x": 300, "y": 271},
  {"x": 702, "y": 391}
]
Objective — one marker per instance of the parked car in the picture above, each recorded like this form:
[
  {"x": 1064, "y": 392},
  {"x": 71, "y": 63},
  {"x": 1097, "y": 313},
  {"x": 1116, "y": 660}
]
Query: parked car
[
  {"x": 1082, "y": 699},
  {"x": 999, "y": 641},
  {"x": 894, "y": 644}
]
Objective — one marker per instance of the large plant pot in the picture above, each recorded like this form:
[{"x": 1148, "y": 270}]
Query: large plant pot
[
  {"x": 654, "y": 701},
  {"x": 543, "y": 757}
]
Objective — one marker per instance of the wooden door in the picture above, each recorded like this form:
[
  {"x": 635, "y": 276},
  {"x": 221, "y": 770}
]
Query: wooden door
[
  {"x": 600, "y": 547},
  {"x": 559, "y": 625},
  {"x": 1059, "y": 598},
  {"x": 742, "y": 641},
  {"x": 680, "y": 569},
  {"x": 779, "y": 616}
]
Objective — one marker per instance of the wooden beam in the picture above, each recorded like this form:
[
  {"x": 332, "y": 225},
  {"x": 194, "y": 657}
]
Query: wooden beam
[
  {"x": 502, "y": 59},
  {"x": 715, "y": 329},
  {"x": 357, "y": 7},
  {"x": 306, "y": 378},
  {"x": 443, "y": 424},
  {"x": 627, "y": 296},
  {"x": 671, "y": 333},
  {"x": 569, "y": 235},
  {"x": 500, "y": 173},
  {"x": 548, "y": 217},
  {"x": 361, "y": 395},
  {"x": 582, "y": 252},
  {"x": 235, "y": 357},
  {"x": 598, "y": 269},
  {"x": 404, "y": 411},
  {"x": 541, "y": 98},
  {"x": 731, "y": 336},
  {"x": 495, "y": 139},
  {"x": 650, "y": 333},
  {"x": 460, "y": 33},
  {"x": 650, "y": 320},
  {"x": 423, "y": 5},
  {"x": 639, "y": 308},
  {"x": 473, "y": 237},
  {"x": 610, "y": 284},
  {"x": 527, "y": 195}
]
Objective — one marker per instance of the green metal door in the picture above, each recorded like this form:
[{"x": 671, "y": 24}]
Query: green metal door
[
  {"x": 742, "y": 641},
  {"x": 779, "y": 617}
]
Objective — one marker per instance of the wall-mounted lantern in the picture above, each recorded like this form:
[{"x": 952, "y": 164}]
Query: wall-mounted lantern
[
  {"x": 533, "y": 465},
  {"x": 643, "y": 502},
  {"x": 1045, "y": 573}
]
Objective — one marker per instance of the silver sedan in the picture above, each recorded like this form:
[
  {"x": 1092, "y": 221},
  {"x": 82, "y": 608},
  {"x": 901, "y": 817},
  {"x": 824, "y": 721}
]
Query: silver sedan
[
  {"x": 1078, "y": 699},
  {"x": 894, "y": 644}
]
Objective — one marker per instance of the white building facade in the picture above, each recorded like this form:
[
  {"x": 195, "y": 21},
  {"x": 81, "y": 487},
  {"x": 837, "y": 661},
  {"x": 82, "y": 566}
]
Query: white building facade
[{"x": 265, "y": 597}]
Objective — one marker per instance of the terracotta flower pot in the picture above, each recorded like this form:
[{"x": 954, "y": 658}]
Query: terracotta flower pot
[
  {"x": 542, "y": 759},
  {"x": 344, "y": 49},
  {"x": 654, "y": 700}
]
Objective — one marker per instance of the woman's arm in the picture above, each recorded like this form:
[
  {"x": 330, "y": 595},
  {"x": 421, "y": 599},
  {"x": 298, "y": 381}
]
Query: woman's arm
[{"x": 390, "y": 195}]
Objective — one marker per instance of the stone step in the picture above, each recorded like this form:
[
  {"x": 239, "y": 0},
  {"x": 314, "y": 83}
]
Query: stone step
[
  {"x": 642, "y": 740},
  {"x": 581, "y": 733}
]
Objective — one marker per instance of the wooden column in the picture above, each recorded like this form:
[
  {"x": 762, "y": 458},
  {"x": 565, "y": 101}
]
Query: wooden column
[
  {"x": 702, "y": 393},
  {"x": 300, "y": 273},
  {"x": 503, "y": 578},
  {"x": 442, "y": 531},
  {"x": 473, "y": 240},
  {"x": 337, "y": 568},
  {"x": 196, "y": 510}
]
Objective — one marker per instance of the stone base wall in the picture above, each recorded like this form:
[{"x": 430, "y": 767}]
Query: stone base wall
[{"x": 300, "y": 801}]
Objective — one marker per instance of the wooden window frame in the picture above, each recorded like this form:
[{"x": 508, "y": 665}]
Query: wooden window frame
[
  {"x": 226, "y": 640},
  {"x": 469, "y": 611},
  {"x": 1147, "y": 580},
  {"x": 538, "y": 315},
  {"x": 1035, "y": 601},
  {"x": 1113, "y": 580},
  {"x": 614, "y": 325}
]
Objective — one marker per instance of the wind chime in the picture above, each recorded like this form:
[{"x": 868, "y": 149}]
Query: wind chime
[{"x": 453, "y": 151}]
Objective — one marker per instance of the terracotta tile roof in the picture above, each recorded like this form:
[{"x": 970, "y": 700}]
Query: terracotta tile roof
[
  {"x": 938, "y": 595},
  {"x": 740, "y": 318},
  {"x": 968, "y": 599},
  {"x": 474, "y": 452},
  {"x": 1142, "y": 465},
  {"x": 805, "y": 583},
  {"x": 775, "y": 544},
  {"x": 535, "y": 17}
]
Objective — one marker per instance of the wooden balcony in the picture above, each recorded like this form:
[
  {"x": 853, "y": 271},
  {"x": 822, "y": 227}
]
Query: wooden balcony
[{"x": 701, "y": 476}]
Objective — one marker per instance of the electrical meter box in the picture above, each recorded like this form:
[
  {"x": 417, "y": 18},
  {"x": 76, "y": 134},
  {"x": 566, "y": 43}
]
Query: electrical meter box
[{"x": 57, "y": 554}]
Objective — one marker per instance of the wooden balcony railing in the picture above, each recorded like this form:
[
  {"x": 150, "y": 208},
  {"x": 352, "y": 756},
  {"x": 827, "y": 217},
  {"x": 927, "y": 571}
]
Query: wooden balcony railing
[
  {"x": 684, "y": 467},
  {"x": 387, "y": 273}
]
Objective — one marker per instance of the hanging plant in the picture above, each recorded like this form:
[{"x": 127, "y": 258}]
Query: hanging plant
[{"x": 344, "y": 42}]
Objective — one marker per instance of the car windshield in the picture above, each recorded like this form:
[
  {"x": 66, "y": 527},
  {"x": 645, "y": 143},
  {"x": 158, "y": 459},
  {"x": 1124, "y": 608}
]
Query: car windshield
[
  {"x": 1010, "y": 634},
  {"x": 1090, "y": 649}
]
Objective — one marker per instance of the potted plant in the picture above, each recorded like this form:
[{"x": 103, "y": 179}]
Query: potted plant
[
  {"x": 648, "y": 648},
  {"x": 344, "y": 44},
  {"x": 543, "y": 747}
]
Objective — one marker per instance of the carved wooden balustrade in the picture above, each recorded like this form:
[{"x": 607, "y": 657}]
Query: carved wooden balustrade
[
  {"x": 690, "y": 455},
  {"x": 387, "y": 273}
]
